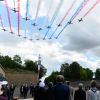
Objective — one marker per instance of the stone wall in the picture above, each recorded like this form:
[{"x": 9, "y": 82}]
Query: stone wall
[
  {"x": 18, "y": 78},
  {"x": 2, "y": 72}
]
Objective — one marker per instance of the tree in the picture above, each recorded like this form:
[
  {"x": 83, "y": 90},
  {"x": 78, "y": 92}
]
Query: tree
[
  {"x": 72, "y": 71},
  {"x": 63, "y": 67},
  {"x": 65, "y": 70},
  {"x": 7, "y": 62},
  {"x": 75, "y": 71},
  {"x": 17, "y": 59},
  {"x": 83, "y": 74},
  {"x": 89, "y": 74},
  {"x": 30, "y": 65},
  {"x": 42, "y": 71},
  {"x": 52, "y": 77},
  {"x": 97, "y": 73}
]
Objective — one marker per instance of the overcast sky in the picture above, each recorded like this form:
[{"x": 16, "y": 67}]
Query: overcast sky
[{"x": 78, "y": 42}]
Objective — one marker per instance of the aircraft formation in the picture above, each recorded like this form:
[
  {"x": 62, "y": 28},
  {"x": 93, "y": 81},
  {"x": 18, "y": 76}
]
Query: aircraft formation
[{"x": 50, "y": 32}]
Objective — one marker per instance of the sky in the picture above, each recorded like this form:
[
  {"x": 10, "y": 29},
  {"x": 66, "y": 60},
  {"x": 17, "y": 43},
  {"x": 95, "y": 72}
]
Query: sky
[{"x": 78, "y": 42}]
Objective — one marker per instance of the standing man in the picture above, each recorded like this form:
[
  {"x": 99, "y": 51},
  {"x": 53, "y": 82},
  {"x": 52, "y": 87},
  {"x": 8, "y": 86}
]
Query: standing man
[
  {"x": 12, "y": 89},
  {"x": 60, "y": 90},
  {"x": 25, "y": 91},
  {"x": 93, "y": 93},
  {"x": 32, "y": 90},
  {"x": 21, "y": 90},
  {"x": 80, "y": 94}
]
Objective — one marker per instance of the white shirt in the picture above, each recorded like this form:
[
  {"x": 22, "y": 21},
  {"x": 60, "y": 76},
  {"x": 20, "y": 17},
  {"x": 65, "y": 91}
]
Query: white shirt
[{"x": 93, "y": 94}]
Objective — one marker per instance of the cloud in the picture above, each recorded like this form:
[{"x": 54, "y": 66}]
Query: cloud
[
  {"x": 79, "y": 42},
  {"x": 8, "y": 39},
  {"x": 83, "y": 36}
]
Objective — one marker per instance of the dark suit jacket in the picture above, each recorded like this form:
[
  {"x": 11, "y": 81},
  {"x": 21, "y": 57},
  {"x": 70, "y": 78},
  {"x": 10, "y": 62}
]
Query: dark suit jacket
[
  {"x": 60, "y": 92},
  {"x": 80, "y": 95}
]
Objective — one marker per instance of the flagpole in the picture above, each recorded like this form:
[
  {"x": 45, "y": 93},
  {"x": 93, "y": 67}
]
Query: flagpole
[{"x": 39, "y": 66}]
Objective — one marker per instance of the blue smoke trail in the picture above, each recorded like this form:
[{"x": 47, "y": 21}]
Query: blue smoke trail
[
  {"x": 77, "y": 11},
  {"x": 73, "y": 3},
  {"x": 27, "y": 7},
  {"x": 54, "y": 16},
  {"x": 72, "y": 18},
  {"x": 56, "y": 12}
]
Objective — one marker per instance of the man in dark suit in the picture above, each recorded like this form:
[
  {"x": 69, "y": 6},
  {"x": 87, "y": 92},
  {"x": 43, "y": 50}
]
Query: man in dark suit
[
  {"x": 60, "y": 91},
  {"x": 25, "y": 90},
  {"x": 80, "y": 94},
  {"x": 12, "y": 89},
  {"x": 21, "y": 90}
]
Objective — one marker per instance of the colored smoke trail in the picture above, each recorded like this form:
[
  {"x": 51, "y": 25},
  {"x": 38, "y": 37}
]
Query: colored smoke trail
[
  {"x": 27, "y": 7},
  {"x": 64, "y": 17},
  {"x": 72, "y": 18},
  {"x": 53, "y": 33},
  {"x": 77, "y": 11},
  {"x": 26, "y": 18},
  {"x": 26, "y": 27},
  {"x": 51, "y": 3},
  {"x": 47, "y": 15},
  {"x": 18, "y": 17},
  {"x": 68, "y": 11},
  {"x": 54, "y": 16},
  {"x": 56, "y": 12},
  {"x": 94, "y": 5},
  {"x": 81, "y": 8},
  {"x": 36, "y": 16},
  {"x": 8, "y": 13},
  {"x": 38, "y": 9},
  {"x": 1, "y": 22}
]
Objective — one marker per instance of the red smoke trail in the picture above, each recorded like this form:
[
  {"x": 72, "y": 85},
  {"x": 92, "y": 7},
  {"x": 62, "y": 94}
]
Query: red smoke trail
[
  {"x": 18, "y": 17},
  {"x": 91, "y": 8},
  {"x": 64, "y": 17},
  {"x": 6, "y": 4},
  {"x": 81, "y": 9},
  {"x": 68, "y": 11},
  {"x": 1, "y": 22}
]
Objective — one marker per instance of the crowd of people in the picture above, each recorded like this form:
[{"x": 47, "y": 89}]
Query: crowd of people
[
  {"x": 7, "y": 91},
  {"x": 62, "y": 90}
]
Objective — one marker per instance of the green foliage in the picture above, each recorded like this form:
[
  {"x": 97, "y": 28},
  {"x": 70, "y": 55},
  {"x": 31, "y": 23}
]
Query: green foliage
[
  {"x": 89, "y": 74},
  {"x": 15, "y": 65},
  {"x": 83, "y": 74},
  {"x": 52, "y": 77},
  {"x": 30, "y": 65},
  {"x": 72, "y": 72},
  {"x": 75, "y": 71},
  {"x": 42, "y": 71},
  {"x": 17, "y": 59},
  {"x": 97, "y": 73},
  {"x": 65, "y": 70}
]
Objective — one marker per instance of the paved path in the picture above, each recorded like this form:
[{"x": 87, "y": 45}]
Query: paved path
[{"x": 17, "y": 94}]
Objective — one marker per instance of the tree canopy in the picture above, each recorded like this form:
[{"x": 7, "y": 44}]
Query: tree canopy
[
  {"x": 16, "y": 64},
  {"x": 72, "y": 72},
  {"x": 97, "y": 73}
]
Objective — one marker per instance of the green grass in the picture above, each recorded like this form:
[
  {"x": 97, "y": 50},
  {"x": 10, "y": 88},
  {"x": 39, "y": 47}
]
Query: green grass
[{"x": 18, "y": 70}]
